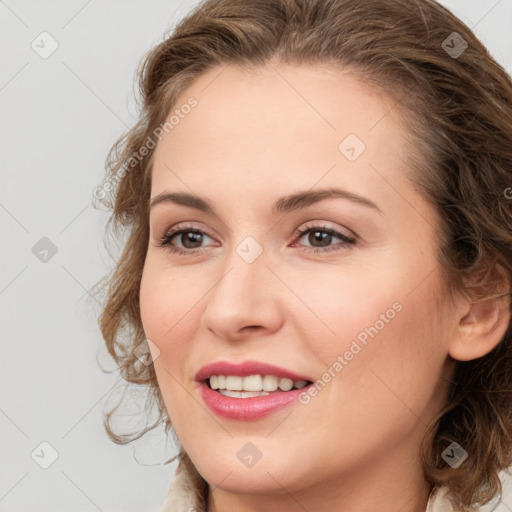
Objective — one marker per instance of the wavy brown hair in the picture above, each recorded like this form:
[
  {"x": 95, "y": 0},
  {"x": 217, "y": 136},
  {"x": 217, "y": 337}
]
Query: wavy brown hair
[{"x": 458, "y": 109}]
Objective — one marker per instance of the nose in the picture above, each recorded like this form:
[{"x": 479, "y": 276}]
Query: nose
[{"x": 244, "y": 302}]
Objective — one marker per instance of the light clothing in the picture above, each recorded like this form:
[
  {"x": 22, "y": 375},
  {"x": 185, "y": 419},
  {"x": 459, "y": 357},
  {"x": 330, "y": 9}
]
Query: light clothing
[
  {"x": 187, "y": 487},
  {"x": 438, "y": 501}
]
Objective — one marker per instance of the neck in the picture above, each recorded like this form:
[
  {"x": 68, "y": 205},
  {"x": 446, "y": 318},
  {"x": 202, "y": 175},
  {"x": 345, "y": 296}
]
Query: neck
[{"x": 387, "y": 484}]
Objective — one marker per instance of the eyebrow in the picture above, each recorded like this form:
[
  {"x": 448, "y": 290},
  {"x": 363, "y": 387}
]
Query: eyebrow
[{"x": 284, "y": 204}]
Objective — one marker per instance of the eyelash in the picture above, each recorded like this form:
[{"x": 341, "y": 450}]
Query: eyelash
[{"x": 165, "y": 240}]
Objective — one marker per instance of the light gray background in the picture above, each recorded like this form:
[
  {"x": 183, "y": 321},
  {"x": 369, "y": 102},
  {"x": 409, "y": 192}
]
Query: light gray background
[{"x": 60, "y": 116}]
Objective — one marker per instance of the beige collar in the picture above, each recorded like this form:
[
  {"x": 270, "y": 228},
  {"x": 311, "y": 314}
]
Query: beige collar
[{"x": 187, "y": 492}]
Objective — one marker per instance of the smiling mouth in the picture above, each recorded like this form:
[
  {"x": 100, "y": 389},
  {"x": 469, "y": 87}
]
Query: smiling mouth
[{"x": 252, "y": 385}]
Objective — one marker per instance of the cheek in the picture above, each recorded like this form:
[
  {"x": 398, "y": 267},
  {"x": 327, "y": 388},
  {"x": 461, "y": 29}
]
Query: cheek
[
  {"x": 168, "y": 318},
  {"x": 391, "y": 369},
  {"x": 167, "y": 310},
  {"x": 378, "y": 342},
  {"x": 339, "y": 305}
]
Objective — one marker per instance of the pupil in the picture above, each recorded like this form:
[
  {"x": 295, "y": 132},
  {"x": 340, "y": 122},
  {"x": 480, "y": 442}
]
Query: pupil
[
  {"x": 319, "y": 236},
  {"x": 190, "y": 238}
]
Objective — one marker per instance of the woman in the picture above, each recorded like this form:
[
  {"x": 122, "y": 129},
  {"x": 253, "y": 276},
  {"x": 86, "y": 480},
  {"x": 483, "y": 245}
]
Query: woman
[{"x": 318, "y": 257}]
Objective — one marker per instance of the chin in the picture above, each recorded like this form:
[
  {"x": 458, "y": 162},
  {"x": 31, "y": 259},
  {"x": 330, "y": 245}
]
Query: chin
[{"x": 245, "y": 481}]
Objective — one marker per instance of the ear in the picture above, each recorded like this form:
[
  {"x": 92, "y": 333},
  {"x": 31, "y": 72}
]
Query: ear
[{"x": 482, "y": 324}]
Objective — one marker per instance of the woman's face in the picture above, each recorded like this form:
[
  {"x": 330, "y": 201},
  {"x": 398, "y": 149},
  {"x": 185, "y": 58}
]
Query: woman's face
[{"x": 354, "y": 305}]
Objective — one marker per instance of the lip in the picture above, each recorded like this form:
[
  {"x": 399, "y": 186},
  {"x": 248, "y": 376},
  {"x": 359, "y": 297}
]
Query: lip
[
  {"x": 252, "y": 408},
  {"x": 245, "y": 369},
  {"x": 248, "y": 409}
]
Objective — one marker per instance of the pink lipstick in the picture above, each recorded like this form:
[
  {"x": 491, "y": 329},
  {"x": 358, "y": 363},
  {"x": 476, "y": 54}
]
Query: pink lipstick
[{"x": 274, "y": 387}]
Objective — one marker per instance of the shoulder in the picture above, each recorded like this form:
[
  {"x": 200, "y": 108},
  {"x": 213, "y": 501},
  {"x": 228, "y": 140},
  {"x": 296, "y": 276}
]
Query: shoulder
[{"x": 438, "y": 501}]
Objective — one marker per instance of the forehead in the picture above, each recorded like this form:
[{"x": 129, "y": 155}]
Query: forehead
[
  {"x": 281, "y": 101},
  {"x": 279, "y": 126}
]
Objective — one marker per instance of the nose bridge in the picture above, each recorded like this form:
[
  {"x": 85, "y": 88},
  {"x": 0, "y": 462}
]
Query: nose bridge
[
  {"x": 244, "y": 277},
  {"x": 241, "y": 297}
]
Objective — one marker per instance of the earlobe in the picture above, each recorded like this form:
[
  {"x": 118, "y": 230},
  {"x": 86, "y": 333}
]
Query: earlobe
[{"x": 481, "y": 328}]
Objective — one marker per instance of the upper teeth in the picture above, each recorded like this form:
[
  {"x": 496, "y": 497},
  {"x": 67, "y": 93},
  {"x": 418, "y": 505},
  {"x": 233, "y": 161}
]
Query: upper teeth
[{"x": 254, "y": 383}]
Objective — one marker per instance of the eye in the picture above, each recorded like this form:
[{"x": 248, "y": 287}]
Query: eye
[
  {"x": 188, "y": 239},
  {"x": 320, "y": 238}
]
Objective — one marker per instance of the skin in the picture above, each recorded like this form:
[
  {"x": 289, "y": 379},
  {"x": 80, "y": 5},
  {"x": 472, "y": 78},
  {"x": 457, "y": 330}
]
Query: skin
[{"x": 253, "y": 137}]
